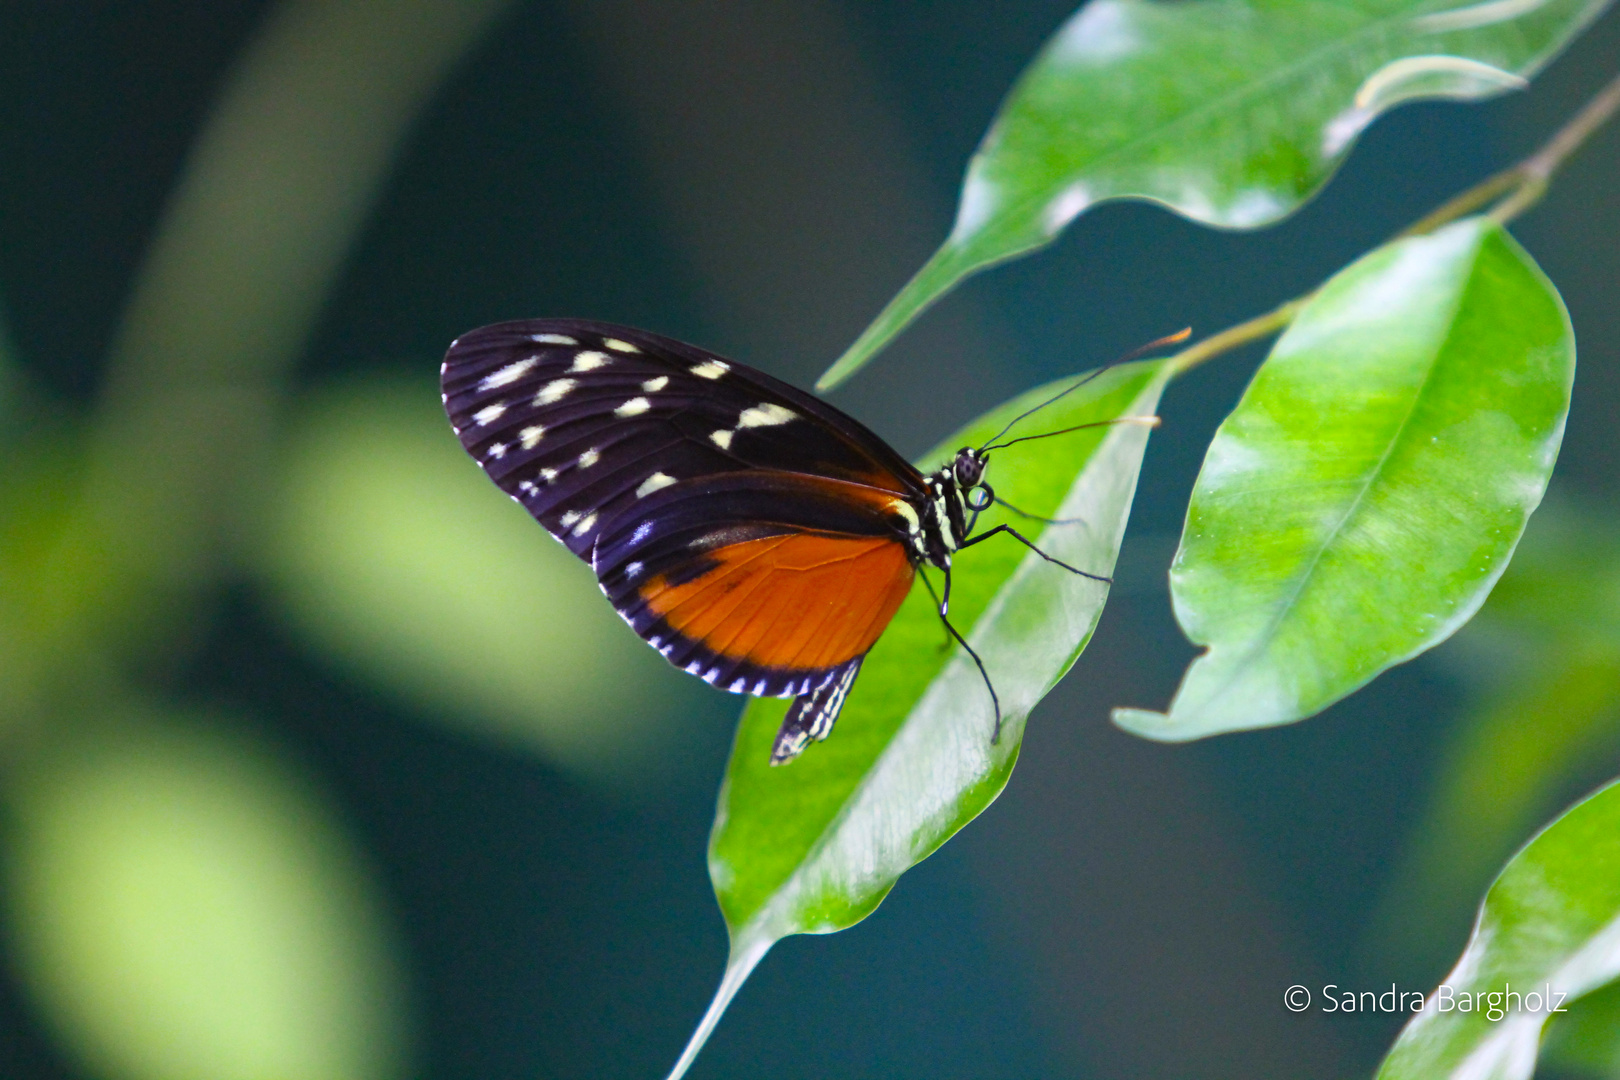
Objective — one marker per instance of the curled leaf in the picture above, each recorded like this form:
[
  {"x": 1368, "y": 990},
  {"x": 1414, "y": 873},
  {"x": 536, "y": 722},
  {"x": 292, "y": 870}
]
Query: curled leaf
[{"x": 1228, "y": 112}]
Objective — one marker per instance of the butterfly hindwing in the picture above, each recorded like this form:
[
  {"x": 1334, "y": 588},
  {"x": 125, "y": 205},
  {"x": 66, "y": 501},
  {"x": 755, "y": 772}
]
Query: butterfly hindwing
[{"x": 762, "y": 582}]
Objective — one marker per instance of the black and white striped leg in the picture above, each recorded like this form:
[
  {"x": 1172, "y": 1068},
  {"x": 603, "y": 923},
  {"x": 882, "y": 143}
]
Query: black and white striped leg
[{"x": 1022, "y": 539}]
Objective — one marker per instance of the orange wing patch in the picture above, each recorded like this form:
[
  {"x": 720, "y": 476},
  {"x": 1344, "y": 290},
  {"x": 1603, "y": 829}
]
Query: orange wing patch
[{"x": 798, "y": 601}]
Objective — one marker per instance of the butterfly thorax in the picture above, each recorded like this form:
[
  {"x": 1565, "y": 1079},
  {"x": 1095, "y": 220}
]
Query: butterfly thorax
[{"x": 953, "y": 497}]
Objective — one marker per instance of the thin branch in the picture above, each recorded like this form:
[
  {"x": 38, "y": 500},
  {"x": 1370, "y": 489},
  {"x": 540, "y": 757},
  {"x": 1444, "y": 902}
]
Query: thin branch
[
  {"x": 1539, "y": 168},
  {"x": 1262, "y": 326},
  {"x": 1519, "y": 187}
]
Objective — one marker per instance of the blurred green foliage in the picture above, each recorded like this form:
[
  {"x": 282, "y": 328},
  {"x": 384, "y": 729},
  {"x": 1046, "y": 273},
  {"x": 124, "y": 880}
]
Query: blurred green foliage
[
  {"x": 188, "y": 909},
  {"x": 387, "y": 553}
]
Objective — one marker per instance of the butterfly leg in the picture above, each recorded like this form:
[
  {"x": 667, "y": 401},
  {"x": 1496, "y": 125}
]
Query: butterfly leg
[
  {"x": 1022, "y": 539},
  {"x": 995, "y": 701},
  {"x": 1037, "y": 517},
  {"x": 939, "y": 606}
]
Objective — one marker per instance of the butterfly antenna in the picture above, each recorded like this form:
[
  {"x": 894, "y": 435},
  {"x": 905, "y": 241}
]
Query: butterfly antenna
[
  {"x": 1171, "y": 339},
  {"x": 1145, "y": 421}
]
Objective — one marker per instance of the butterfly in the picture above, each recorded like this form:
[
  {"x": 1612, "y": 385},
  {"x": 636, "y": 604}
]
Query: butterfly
[{"x": 754, "y": 535}]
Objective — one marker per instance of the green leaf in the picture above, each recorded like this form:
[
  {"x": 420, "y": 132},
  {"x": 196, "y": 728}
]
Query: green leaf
[
  {"x": 814, "y": 846},
  {"x": 1586, "y": 1041},
  {"x": 1551, "y": 922},
  {"x": 1369, "y": 489},
  {"x": 1230, "y": 112}
]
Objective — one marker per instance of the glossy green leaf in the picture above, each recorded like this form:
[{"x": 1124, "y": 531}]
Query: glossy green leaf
[
  {"x": 1369, "y": 489},
  {"x": 1550, "y": 926},
  {"x": 1230, "y": 112},
  {"x": 182, "y": 906},
  {"x": 814, "y": 846}
]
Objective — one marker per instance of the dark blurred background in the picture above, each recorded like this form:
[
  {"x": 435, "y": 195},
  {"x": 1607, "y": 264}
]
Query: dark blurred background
[{"x": 321, "y": 760}]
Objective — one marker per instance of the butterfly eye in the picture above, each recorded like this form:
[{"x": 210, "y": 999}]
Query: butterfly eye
[{"x": 968, "y": 467}]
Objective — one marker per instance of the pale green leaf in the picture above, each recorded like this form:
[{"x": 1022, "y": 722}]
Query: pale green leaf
[
  {"x": 1369, "y": 489},
  {"x": 1549, "y": 927}
]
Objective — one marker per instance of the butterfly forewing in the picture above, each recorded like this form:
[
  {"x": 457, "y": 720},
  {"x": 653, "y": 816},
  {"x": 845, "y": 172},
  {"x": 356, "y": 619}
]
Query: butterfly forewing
[{"x": 573, "y": 418}]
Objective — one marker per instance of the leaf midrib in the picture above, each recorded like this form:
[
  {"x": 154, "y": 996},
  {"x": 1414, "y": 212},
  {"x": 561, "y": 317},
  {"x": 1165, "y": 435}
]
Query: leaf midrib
[{"x": 1304, "y": 577}]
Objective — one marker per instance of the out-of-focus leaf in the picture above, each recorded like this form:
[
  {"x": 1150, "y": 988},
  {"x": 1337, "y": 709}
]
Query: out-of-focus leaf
[
  {"x": 1369, "y": 489},
  {"x": 1541, "y": 663},
  {"x": 184, "y": 908},
  {"x": 388, "y": 550},
  {"x": 1230, "y": 112},
  {"x": 1550, "y": 923},
  {"x": 814, "y": 846},
  {"x": 1586, "y": 1041},
  {"x": 277, "y": 187}
]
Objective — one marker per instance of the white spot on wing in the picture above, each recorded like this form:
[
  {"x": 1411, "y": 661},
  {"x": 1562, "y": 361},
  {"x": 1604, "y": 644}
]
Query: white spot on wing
[
  {"x": 711, "y": 369},
  {"x": 489, "y": 413},
  {"x": 555, "y": 390},
  {"x": 569, "y": 517},
  {"x": 497, "y": 450},
  {"x": 656, "y": 482},
  {"x": 553, "y": 339},
  {"x": 511, "y": 373},
  {"x": 589, "y": 361},
  {"x": 632, "y": 407},
  {"x": 589, "y": 458},
  {"x": 695, "y": 667},
  {"x": 722, "y": 439},
  {"x": 548, "y": 475},
  {"x": 740, "y": 686},
  {"x": 619, "y": 346},
  {"x": 643, "y": 531},
  {"x": 529, "y": 436},
  {"x": 585, "y": 525},
  {"x": 765, "y": 414},
  {"x": 634, "y": 571},
  {"x": 652, "y": 386}
]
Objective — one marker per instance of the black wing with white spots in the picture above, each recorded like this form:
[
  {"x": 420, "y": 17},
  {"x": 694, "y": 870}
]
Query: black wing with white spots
[{"x": 578, "y": 420}]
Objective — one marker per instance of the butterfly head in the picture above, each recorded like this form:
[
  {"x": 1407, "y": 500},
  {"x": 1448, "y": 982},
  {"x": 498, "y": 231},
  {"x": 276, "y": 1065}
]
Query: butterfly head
[
  {"x": 969, "y": 467},
  {"x": 968, "y": 472}
]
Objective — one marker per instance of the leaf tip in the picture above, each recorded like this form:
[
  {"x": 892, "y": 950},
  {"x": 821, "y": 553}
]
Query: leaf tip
[{"x": 1147, "y": 724}]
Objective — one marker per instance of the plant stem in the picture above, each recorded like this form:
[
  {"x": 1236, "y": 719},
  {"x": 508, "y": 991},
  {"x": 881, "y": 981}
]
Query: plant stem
[
  {"x": 1519, "y": 187},
  {"x": 1261, "y": 326}
]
